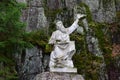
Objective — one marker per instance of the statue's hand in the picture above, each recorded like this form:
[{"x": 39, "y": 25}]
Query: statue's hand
[{"x": 80, "y": 16}]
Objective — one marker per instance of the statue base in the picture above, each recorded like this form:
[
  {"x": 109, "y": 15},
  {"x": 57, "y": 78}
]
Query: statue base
[
  {"x": 66, "y": 69},
  {"x": 58, "y": 76}
]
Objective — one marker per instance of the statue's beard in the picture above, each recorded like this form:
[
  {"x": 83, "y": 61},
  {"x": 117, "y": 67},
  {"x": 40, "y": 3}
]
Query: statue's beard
[{"x": 62, "y": 29}]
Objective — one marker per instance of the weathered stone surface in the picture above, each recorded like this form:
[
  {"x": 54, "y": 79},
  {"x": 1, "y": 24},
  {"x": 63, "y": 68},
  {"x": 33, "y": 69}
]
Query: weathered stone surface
[
  {"x": 42, "y": 21},
  {"x": 32, "y": 18},
  {"x": 32, "y": 64},
  {"x": 34, "y": 15},
  {"x": 57, "y": 4},
  {"x": 70, "y": 3},
  {"x": 35, "y": 3},
  {"x": 32, "y": 61},
  {"x": 58, "y": 76},
  {"x": 23, "y": 1},
  {"x": 102, "y": 12},
  {"x": 117, "y": 3},
  {"x": 54, "y": 4},
  {"x": 36, "y": 19}
]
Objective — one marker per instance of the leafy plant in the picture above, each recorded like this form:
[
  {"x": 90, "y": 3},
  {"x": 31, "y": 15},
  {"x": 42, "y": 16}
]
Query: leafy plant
[
  {"x": 39, "y": 38},
  {"x": 11, "y": 40}
]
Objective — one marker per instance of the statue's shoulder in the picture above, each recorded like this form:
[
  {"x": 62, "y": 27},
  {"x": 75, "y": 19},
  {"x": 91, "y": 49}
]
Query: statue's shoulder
[{"x": 56, "y": 32}]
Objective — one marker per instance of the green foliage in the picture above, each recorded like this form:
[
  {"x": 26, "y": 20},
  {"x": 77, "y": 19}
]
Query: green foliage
[
  {"x": 86, "y": 63},
  {"x": 102, "y": 32},
  {"x": 11, "y": 28},
  {"x": 12, "y": 32},
  {"x": 79, "y": 41},
  {"x": 39, "y": 38},
  {"x": 8, "y": 73},
  {"x": 86, "y": 11},
  {"x": 118, "y": 15}
]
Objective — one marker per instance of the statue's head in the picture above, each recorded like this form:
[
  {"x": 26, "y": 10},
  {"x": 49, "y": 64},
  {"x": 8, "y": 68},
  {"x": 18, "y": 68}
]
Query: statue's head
[{"x": 59, "y": 24}]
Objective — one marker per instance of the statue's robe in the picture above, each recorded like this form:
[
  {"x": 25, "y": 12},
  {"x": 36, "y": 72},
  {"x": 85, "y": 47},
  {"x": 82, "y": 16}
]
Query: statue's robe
[{"x": 64, "y": 49}]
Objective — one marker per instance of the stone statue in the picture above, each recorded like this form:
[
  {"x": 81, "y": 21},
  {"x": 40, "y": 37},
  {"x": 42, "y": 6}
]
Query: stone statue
[{"x": 64, "y": 49}]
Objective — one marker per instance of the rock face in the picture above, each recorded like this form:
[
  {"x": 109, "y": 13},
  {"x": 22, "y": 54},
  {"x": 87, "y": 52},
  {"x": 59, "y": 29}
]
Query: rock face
[
  {"x": 32, "y": 61},
  {"x": 102, "y": 11},
  {"x": 32, "y": 64},
  {"x": 58, "y": 76},
  {"x": 35, "y": 17},
  {"x": 117, "y": 3}
]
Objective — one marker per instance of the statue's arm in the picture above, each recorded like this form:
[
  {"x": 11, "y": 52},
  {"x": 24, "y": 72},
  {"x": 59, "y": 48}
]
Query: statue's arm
[
  {"x": 73, "y": 26},
  {"x": 52, "y": 39}
]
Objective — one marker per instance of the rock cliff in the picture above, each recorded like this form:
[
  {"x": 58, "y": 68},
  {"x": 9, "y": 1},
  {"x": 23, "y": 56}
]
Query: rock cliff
[{"x": 34, "y": 61}]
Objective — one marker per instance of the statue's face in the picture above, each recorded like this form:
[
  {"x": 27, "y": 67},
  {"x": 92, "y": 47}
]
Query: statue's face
[{"x": 59, "y": 25}]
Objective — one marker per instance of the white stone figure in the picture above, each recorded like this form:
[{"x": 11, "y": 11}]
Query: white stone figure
[{"x": 64, "y": 49}]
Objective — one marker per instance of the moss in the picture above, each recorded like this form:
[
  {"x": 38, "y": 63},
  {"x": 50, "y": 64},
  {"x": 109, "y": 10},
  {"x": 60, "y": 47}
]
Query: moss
[
  {"x": 86, "y": 10},
  {"x": 8, "y": 72},
  {"x": 39, "y": 38},
  {"x": 101, "y": 32},
  {"x": 88, "y": 65},
  {"x": 118, "y": 15}
]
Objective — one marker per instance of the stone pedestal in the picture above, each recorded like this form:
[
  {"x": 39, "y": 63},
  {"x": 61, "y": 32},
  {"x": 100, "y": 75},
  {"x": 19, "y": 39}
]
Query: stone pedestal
[
  {"x": 70, "y": 70},
  {"x": 58, "y": 76}
]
